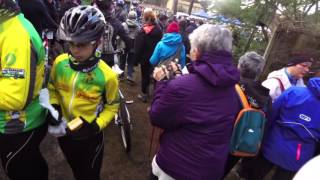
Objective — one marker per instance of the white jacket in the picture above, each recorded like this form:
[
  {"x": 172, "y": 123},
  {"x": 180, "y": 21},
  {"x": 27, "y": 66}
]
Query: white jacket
[{"x": 274, "y": 85}]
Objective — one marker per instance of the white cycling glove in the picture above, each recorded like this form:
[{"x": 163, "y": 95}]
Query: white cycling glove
[
  {"x": 58, "y": 130},
  {"x": 44, "y": 102}
]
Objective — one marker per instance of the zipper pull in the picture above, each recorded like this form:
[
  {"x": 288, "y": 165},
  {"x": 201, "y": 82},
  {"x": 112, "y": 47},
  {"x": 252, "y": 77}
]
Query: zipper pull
[{"x": 298, "y": 152}]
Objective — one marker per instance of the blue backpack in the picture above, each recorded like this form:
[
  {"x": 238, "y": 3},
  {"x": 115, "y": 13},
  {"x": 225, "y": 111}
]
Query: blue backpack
[{"x": 248, "y": 129}]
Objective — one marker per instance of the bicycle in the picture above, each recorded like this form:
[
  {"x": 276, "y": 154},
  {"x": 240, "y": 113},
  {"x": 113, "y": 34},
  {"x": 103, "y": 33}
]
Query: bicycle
[
  {"x": 123, "y": 121},
  {"x": 123, "y": 118},
  {"x": 47, "y": 37},
  {"x": 52, "y": 50}
]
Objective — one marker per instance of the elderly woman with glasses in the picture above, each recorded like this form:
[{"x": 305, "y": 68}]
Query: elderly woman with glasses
[{"x": 196, "y": 110}]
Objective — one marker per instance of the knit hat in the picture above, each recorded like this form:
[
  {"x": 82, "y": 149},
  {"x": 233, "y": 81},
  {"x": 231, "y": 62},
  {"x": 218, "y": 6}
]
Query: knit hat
[
  {"x": 173, "y": 27},
  {"x": 297, "y": 58}
]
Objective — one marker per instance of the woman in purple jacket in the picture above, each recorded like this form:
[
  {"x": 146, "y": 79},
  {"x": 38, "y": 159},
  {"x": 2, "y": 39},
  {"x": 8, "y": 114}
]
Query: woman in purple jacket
[{"x": 197, "y": 110}]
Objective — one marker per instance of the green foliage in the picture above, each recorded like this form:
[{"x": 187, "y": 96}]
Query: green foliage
[
  {"x": 86, "y": 2},
  {"x": 261, "y": 13},
  {"x": 240, "y": 39},
  {"x": 229, "y": 8},
  {"x": 249, "y": 16}
]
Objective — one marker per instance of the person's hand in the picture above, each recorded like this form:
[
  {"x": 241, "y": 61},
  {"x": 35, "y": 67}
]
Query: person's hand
[
  {"x": 160, "y": 73},
  {"x": 86, "y": 130},
  {"x": 52, "y": 120},
  {"x": 175, "y": 68},
  {"x": 45, "y": 103},
  {"x": 58, "y": 130}
]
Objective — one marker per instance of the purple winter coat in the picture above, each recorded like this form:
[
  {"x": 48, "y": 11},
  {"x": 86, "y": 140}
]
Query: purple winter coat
[{"x": 197, "y": 112}]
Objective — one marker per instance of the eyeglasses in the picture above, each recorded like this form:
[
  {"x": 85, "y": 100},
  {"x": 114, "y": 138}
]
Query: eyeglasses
[
  {"x": 80, "y": 45},
  {"x": 305, "y": 64}
]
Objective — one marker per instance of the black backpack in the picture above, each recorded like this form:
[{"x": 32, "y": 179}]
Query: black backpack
[{"x": 107, "y": 47}]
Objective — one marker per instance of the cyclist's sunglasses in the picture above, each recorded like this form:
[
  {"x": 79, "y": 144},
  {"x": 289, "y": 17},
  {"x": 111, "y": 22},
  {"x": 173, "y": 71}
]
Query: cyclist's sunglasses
[{"x": 80, "y": 45}]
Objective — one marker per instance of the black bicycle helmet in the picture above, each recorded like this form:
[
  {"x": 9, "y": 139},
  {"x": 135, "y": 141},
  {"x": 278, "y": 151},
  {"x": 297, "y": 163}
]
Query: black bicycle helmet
[
  {"x": 81, "y": 24},
  {"x": 8, "y": 8}
]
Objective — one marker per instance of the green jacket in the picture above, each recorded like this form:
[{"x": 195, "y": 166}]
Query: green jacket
[
  {"x": 21, "y": 76},
  {"x": 92, "y": 95}
]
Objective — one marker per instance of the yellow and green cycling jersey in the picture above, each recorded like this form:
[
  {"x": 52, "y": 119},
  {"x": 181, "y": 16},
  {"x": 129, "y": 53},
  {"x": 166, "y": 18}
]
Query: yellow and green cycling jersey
[
  {"x": 21, "y": 76},
  {"x": 91, "y": 95}
]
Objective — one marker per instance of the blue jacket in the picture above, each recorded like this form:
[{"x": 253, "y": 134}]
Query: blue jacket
[
  {"x": 167, "y": 47},
  {"x": 295, "y": 129},
  {"x": 197, "y": 122}
]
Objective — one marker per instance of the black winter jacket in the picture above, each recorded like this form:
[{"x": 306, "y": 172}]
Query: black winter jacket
[
  {"x": 145, "y": 42},
  {"x": 37, "y": 13},
  {"x": 119, "y": 30}
]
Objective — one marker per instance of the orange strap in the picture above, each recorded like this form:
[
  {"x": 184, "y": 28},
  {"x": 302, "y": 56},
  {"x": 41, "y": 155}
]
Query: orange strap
[{"x": 242, "y": 97}]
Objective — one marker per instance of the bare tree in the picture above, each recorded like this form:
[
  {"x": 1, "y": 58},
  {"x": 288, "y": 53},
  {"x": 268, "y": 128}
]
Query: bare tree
[
  {"x": 191, "y": 6},
  {"x": 317, "y": 12},
  {"x": 308, "y": 7},
  {"x": 175, "y": 6}
]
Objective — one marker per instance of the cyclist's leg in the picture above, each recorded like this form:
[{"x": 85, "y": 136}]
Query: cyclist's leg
[
  {"x": 21, "y": 157},
  {"x": 84, "y": 156}
]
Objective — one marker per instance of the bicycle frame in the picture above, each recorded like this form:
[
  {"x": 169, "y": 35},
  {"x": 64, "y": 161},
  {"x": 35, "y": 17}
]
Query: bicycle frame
[{"x": 46, "y": 36}]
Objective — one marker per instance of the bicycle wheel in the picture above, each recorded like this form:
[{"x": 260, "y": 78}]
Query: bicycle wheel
[{"x": 125, "y": 125}]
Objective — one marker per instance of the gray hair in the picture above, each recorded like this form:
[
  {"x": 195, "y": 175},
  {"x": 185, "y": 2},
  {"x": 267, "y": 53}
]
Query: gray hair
[
  {"x": 251, "y": 65},
  {"x": 209, "y": 37}
]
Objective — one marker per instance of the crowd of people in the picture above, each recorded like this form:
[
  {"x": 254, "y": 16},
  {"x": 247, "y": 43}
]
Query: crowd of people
[{"x": 194, "y": 99}]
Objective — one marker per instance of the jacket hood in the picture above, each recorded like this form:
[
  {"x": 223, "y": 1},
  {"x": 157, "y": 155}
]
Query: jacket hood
[
  {"x": 131, "y": 23},
  {"x": 172, "y": 38},
  {"x": 217, "y": 68},
  {"x": 151, "y": 29},
  {"x": 314, "y": 86},
  {"x": 277, "y": 73}
]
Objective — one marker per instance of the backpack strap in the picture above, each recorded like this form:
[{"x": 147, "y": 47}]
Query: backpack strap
[
  {"x": 242, "y": 97},
  {"x": 177, "y": 54},
  {"x": 280, "y": 83}
]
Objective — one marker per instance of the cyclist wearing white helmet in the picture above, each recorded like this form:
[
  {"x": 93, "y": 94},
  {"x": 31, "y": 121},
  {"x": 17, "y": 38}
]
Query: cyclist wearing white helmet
[
  {"x": 22, "y": 119},
  {"x": 82, "y": 87}
]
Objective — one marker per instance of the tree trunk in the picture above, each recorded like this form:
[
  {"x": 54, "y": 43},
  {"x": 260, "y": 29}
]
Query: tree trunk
[
  {"x": 265, "y": 34},
  {"x": 250, "y": 39},
  {"x": 164, "y": 3},
  {"x": 295, "y": 10},
  {"x": 317, "y": 12},
  {"x": 309, "y": 8},
  {"x": 190, "y": 7},
  {"x": 175, "y": 6}
]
